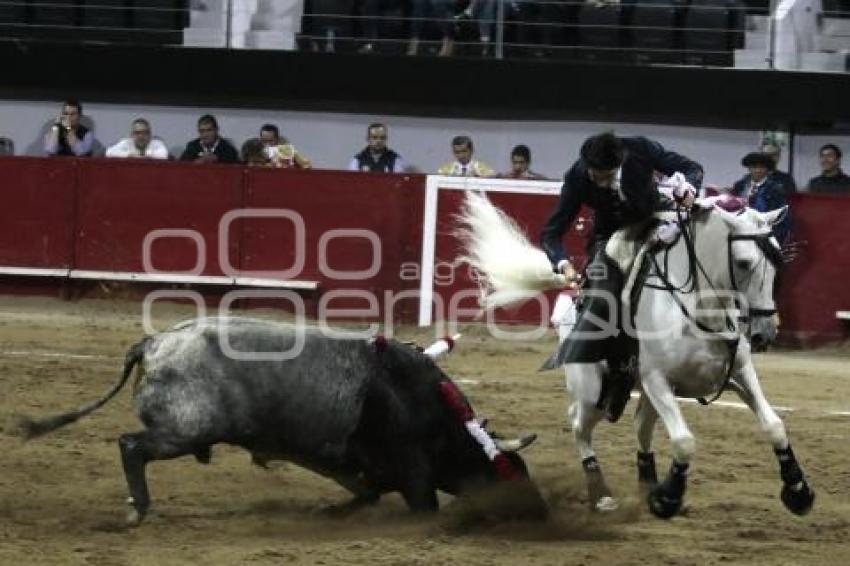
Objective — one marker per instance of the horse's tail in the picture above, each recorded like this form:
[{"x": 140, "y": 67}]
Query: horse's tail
[
  {"x": 28, "y": 428},
  {"x": 509, "y": 268}
]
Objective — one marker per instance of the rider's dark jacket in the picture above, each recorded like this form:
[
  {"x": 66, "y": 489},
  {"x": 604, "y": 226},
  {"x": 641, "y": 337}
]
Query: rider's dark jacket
[{"x": 637, "y": 199}]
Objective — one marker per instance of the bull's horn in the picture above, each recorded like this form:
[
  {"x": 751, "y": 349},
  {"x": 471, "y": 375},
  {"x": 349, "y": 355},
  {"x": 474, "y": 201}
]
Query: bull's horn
[
  {"x": 441, "y": 347},
  {"x": 515, "y": 444}
]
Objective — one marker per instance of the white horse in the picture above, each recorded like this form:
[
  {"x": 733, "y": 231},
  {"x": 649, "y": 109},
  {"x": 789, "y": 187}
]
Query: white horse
[{"x": 691, "y": 341}]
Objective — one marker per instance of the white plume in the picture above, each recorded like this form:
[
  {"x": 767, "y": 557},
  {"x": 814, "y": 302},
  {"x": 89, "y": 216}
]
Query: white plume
[{"x": 508, "y": 267}]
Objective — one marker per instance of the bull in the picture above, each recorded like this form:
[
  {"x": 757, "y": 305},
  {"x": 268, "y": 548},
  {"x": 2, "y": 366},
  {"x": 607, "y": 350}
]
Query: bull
[{"x": 376, "y": 416}]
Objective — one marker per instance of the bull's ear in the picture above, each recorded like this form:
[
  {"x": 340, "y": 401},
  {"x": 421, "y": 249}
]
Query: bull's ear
[{"x": 775, "y": 216}]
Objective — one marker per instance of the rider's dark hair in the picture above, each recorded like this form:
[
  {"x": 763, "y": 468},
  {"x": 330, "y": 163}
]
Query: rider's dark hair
[{"x": 602, "y": 151}]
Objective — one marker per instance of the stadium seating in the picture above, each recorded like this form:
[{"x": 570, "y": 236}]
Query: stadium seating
[
  {"x": 653, "y": 32},
  {"x": 708, "y": 33},
  {"x": 599, "y": 32}
]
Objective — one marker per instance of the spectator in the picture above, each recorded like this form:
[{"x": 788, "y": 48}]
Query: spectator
[
  {"x": 464, "y": 165},
  {"x": 281, "y": 153},
  {"x": 485, "y": 12},
  {"x": 373, "y": 11},
  {"x": 520, "y": 164},
  {"x": 140, "y": 143},
  {"x": 377, "y": 157},
  {"x": 832, "y": 179},
  {"x": 329, "y": 21},
  {"x": 7, "y": 146},
  {"x": 209, "y": 147},
  {"x": 773, "y": 151},
  {"x": 67, "y": 136},
  {"x": 763, "y": 191},
  {"x": 254, "y": 153},
  {"x": 440, "y": 11}
]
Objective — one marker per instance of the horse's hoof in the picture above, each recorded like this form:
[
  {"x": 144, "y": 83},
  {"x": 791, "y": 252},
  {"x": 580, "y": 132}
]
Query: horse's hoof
[
  {"x": 135, "y": 515},
  {"x": 798, "y": 499},
  {"x": 606, "y": 505},
  {"x": 662, "y": 505}
]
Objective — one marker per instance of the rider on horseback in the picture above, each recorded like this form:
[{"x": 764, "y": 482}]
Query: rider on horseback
[{"x": 615, "y": 177}]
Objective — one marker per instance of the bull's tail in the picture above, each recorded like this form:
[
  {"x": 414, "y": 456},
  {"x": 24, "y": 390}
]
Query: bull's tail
[
  {"x": 28, "y": 428},
  {"x": 509, "y": 268}
]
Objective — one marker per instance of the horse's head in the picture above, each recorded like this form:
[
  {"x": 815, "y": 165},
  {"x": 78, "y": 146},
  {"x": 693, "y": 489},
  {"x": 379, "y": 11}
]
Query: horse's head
[{"x": 754, "y": 258}]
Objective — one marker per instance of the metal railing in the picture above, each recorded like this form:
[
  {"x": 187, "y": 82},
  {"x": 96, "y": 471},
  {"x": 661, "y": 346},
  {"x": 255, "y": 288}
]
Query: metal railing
[{"x": 701, "y": 32}]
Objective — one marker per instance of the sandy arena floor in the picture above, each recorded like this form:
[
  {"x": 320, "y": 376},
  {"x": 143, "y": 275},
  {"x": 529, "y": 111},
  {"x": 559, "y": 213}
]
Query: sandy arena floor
[{"x": 62, "y": 496}]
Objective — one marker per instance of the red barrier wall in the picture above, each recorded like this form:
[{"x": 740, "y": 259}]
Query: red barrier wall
[
  {"x": 387, "y": 207},
  {"x": 95, "y": 214},
  {"x": 120, "y": 202},
  {"x": 38, "y": 212},
  {"x": 817, "y": 283}
]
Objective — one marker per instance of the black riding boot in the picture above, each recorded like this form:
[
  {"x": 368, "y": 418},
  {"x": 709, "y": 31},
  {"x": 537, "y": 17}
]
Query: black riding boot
[{"x": 597, "y": 336}]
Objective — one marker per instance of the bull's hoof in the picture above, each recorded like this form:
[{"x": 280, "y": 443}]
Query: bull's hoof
[
  {"x": 606, "y": 505},
  {"x": 662, "y": 504},
  {"x": 135, "y": 514},
  {"x": 798, "y": 499}
]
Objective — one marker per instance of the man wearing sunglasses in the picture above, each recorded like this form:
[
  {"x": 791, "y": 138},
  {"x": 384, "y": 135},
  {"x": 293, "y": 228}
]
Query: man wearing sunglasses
[{"x": 141, "y": 143}]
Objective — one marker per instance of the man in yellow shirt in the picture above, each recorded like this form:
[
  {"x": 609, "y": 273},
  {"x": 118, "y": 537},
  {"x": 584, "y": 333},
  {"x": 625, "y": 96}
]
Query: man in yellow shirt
[{"x": 464, "y": 165}]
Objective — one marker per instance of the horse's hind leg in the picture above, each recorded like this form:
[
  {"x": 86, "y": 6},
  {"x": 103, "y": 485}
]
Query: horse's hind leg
[
  {"x": 665, "y": 500},
  {"x": 584, "y": 417},
  {"x": 137, "y": 450},
  {"x": 645, "y": 419},
  {"x": 797, "y": 496}
]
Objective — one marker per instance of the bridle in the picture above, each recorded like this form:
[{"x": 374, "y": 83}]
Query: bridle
[{"x": 770, "y": 253}]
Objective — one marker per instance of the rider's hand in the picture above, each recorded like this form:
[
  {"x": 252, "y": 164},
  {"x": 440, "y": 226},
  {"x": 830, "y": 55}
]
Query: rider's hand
[
  {"x": 684, "y": 194},
  {"x": 566, "y": 268}
]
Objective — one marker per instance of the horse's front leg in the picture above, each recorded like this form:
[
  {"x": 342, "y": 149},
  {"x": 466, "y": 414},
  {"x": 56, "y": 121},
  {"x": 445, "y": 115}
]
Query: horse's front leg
[
  {"x": 584, "y": 382},
  {"x": 665, "y": 500},
  {"x": 797, "y": 496},
  {"x": 645, "y": 419}
]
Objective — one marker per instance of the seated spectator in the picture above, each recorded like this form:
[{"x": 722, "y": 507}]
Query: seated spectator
[
  {"x": 762, "y": 191},
  {"x": 7, "y": 146},
  {"x": 463, "y": 164},
  {"x": 377, "y": 157},
  {"x": 282, "y": 153},
  {"x": 254, "y": 154},
  {"x": 520, "y": 164},
  {"x": 140, "y": 143},
  {"x": 832, "y": 179},
  {"x": 773, "y": 151},
  {"x": 209, "y": 147},
  {"x": 67, "y": 136},
  {"x": 439, "y": 11}
]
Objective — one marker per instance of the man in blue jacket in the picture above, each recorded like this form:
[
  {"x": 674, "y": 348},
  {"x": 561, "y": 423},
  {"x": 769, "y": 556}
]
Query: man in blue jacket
[
  {"x": 614, "y": 176},
  {"x": 763, "y": 191}
]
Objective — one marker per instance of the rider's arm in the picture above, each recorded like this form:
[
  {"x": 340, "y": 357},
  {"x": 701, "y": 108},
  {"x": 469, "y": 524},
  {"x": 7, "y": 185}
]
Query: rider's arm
[
  {"x": 670, "y": 162},
  {"x": 562, "y": 217}
]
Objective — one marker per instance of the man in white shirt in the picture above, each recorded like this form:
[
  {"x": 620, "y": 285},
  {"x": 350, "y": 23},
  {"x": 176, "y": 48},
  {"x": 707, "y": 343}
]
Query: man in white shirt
[{"x": 139, "y": 144}]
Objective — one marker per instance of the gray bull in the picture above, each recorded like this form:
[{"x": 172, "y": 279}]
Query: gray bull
[{"x": 367, "y": 414}]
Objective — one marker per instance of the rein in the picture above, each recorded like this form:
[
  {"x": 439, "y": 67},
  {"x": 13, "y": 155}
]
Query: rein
[{"x": 691, "y": 285}]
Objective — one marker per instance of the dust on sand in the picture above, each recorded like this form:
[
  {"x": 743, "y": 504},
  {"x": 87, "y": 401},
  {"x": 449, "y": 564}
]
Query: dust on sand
[{"x": 62, "y": 496}]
